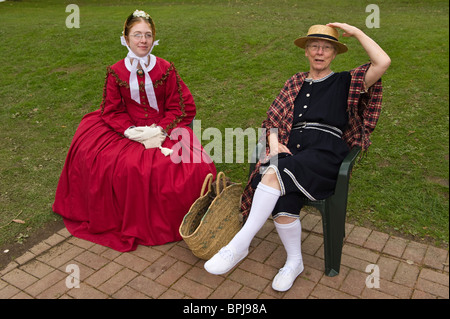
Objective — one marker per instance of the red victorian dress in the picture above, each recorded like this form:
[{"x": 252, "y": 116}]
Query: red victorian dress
[{"x": 113, "y": 191}]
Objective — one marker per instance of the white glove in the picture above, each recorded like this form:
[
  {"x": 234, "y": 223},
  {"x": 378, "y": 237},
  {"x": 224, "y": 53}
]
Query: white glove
[
  {"x": 151, "y": 136},
  {"x": 142, "y": 133},
  {"x": 154, "y": 141}
]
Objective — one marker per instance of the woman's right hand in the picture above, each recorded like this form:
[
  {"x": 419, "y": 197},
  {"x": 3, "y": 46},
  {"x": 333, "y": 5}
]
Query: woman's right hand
[
  {"x": 280, "y": 148},
  {"x": 276, "y": 147}
]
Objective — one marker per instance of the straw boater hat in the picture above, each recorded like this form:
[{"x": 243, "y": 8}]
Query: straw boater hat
[{"x": 322, "y": 32}]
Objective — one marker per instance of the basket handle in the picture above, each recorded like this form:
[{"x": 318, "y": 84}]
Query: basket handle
[
  {"x": 206, "y": 182},
  {"x": 220, "y": 178}
]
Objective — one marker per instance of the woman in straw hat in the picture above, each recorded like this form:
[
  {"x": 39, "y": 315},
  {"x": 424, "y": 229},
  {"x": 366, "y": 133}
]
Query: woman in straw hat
[
  {"x": 119, "y": 187},
  {"x": 311, "y": 126}
]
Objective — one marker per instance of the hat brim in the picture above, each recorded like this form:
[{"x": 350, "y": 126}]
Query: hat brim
[{"x": 301, "y": 42}]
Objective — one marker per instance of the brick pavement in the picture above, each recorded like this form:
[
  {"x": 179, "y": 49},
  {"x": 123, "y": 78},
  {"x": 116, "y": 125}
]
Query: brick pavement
[{"x": 408, "y": 270}]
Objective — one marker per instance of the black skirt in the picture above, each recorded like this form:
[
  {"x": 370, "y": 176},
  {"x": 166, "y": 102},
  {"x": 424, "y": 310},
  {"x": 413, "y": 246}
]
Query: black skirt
[{"x": 317, "y": 151}]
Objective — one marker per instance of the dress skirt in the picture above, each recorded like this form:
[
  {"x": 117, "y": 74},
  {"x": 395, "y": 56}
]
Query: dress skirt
[{"x": 116, "y": 193}]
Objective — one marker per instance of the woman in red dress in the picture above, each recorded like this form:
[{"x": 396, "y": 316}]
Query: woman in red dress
[{"x": 134, "y": 166}]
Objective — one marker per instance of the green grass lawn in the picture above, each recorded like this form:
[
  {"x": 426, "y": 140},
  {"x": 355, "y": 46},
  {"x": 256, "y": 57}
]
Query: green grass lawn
[{"x": 235, "y": 57}]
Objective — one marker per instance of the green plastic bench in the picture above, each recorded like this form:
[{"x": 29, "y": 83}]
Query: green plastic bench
[{"x": 333, "y": 211}]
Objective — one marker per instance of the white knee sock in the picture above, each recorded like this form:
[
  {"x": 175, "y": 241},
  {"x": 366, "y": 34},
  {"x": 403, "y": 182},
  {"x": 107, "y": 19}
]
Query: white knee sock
[
  {"x": 263, "y": 203},
  {"x": 291, "y": 236}
]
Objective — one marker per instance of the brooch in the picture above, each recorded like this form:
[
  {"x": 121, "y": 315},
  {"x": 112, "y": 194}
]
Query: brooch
[{"x": 140, "y": 72}]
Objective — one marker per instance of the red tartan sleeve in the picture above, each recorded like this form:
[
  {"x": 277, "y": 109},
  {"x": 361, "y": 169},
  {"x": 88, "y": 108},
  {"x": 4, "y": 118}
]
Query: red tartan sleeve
[{"x": 364, "y": 108}]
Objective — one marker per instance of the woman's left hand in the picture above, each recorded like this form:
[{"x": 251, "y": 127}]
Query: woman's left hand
[
  {"x": 380, "y": 61},
  {"x": 349, "y": 30}
]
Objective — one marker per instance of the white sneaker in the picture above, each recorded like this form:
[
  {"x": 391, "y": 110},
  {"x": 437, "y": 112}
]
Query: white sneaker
[
  {"x": 285, "y": 278},
  {"x": 224, "y": 261}
]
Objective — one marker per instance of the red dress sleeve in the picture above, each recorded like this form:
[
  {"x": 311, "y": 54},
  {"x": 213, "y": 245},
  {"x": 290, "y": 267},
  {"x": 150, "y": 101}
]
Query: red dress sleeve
[
  {"x": 114, "y": 111},
  {"x": 179, "y": 106}
]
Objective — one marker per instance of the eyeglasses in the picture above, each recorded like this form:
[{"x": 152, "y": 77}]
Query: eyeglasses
[
  {"x": 325, "y": 48},
  {"x": 139, "y": 36}
]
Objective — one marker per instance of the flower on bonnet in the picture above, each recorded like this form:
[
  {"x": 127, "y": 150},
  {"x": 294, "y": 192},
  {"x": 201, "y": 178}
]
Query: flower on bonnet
[{"x": 141, "y": 14}]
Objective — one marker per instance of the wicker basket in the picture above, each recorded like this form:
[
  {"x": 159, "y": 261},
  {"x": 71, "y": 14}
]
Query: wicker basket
[{"x": 213, "y": 220}]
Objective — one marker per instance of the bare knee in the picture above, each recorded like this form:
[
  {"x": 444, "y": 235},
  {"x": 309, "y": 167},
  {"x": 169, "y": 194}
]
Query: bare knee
[
  {"x": 285, "y": 219},
  {"x": 270, "y": 179}
]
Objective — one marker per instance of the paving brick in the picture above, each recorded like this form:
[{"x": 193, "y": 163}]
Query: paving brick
[
  {"x": 40, "y": 248},
  {"x": 132, "y": 262},
  {"x": 406, "y": 274},
  {"x": 183, "y": 254},
  {"x": 12, "y": 265},
  {"x": 310, "y": 221},
  {"x": 358, "y": 235},
  {"x": 37, "y": 268},
  {"x": 247, "y": 293},
  {"x": 301, "y": 289},
  {"x": 312, "y": 274},
  {"x": 432, "y": 288},
  {"x": 436, "y": 257},
  {"x": 263, "y": 251},
  {"x": 202, "y": 277},
  {"x": 265, "y": 230},
  {"x": 277, "y": 258},
  {"x": 336, "y": 281},
  {"x": 324, "y": 292},
  {"x": 415, "y": 252},
  {"x": 117, "y": 281},
  {"x": 91, "y": 260},
  {"x": 98, "y": 249},
  {"x": 434, "y": 276},
  {"x": 54, "y": 239},
  {"x": 110, "y": 254},
  {"x": 171, "y": 275},
  {"x": 313, "y": 263},
  {"x": 312, "y": 244},
  {"x": 8, "y": 292},
  {"x": 22, "y": 295},
  {"x": 371, "y": 293},
  {"x": 19, "y": 278},
  {"x": 3, "y": 284},
  {"x": 86, "y": 292},
  {"x": 159, "y": 267},
  {"x": 62, "y": 257},
  {"x": 395, "y": 289},
  {"x": 55, "y": 291},
  {"x": 388, "y": 267},
  {"x": 259, "y": 269},
  {"x": 147, "y": 286},
  {"x": 99, "y": 277},
  {"x": 249, "y": 280},
  {"x": 354, "y": 283},
  {"x": 361, "y": 253},
  {"x": 192, "y": 288},
  {"x": 418, "y": 294},
  {"x": 376, "y": 241},
  {"x": 54, "y": 252},
  {"x": 64, "y": 232},
  {"x": 129, "y": 293},
  {"x": 147, "y": 253},
  {"x": 395, "y": 246},
  {"x": 226, "y": 290},
  {"x": 171, "y": 294},
  {"x": 353, "y": 262},
  {"x": 85, "y": 244},
  {"x": 47, "y": 281}
]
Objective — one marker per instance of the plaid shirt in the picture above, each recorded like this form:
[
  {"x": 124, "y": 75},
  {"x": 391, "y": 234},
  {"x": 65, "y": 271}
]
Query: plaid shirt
[{"x": 363, "y": 108}]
